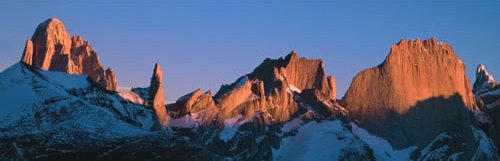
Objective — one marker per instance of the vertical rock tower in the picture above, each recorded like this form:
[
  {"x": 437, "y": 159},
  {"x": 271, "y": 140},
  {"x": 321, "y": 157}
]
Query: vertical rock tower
[
  {"x": 52, "y": 48},
  {"x": 156, "y": 97}
]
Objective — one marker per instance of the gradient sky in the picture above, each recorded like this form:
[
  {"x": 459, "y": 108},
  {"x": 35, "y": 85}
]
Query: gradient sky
[{"x": 205, "y": 44}]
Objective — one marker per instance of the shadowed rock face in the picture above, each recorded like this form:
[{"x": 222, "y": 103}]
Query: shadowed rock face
[
  {"x": 52, "y": 48},
  {"x": 419, "y": 91},
  {"x": 156, "y": 97},
  {"x": 487, "y": 94}
]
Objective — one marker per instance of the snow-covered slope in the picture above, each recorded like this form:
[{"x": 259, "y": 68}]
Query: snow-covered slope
[
  {"x": 24, "y": 88},
  {"x": 47, "y": 114},
  {"x": 59, "y": 109},
  {"x": 326, "y": 140},
  {"x": 132, "y": 97},
  {"x": 382, "y": 149}
]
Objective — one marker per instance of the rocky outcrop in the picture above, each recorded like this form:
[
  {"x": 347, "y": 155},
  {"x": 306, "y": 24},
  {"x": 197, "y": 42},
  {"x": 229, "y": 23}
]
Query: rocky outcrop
[
  {"x": 487, "y": 94},
  {"x": 273, "y": 88},
  {"x": 195, "y": 102},
  {"x": 51, "y": 42},
  {"x": 405, "y": 98},
  {"x": 156, "y": 101},
  {"x": 28, "y": 52},
  {"x": 52, "y": 48},
  {"x": 301, "y": 73},
  {"x": 109, "y": 79}
]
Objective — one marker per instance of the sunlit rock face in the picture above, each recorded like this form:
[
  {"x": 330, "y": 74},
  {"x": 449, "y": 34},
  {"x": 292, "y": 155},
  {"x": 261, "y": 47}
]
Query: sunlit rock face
[
  {"x": 193, "y": 102},
  {"x": 302, "y": 73},
  {"x": 293, "y": 77},
  {"x": 274, "y": 88},
  {"x": 52, "y": 48},
  {"x": 197, "y": 104},
  {"x": 418, "y": 92},
  {"x": 157, "y": 98}
]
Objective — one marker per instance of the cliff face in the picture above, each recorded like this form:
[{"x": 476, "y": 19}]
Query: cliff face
[
  {"x": 52, "y": 48},
  {"x": 282, "y": 80},
  {"x": 156, "y": 101},
  {"x": 274, "y": 88},
  {"x": 195, "y": 102},
  {"x": 418, "y": 92},
  {"x": 301, "y": 73}
]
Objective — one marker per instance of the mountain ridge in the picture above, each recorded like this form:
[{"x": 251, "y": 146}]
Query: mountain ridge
[{"x": 285, "y": 108}]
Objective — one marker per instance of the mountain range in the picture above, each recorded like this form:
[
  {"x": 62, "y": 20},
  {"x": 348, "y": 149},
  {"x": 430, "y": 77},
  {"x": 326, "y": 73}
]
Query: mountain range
[{"x": 58, "y": 102}]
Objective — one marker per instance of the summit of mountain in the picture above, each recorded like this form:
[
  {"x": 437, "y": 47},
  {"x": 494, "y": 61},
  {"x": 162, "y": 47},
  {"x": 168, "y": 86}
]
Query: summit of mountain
[
  {"x": 52, "y": 48},
  {"x": 405, "y": 98}
]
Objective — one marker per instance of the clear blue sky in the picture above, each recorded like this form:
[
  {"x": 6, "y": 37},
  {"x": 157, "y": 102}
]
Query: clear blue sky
[{"x": 206, "y": 44}]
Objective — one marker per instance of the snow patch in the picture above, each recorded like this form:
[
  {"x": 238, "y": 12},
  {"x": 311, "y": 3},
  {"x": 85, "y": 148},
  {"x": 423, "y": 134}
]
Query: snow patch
[
  {"x": 188, "y": 121},
  {"x": 486, "y": 148},
  {"x": 438, "y": 149},
  {"x": 382, "y": 149},
  {"x": 185, "y": 121},
  {"x": 132, "y": 97},
  {"x": 317, "y": 141},
  {"x": 68, "y": 81},
  {"x": 480, "y": 116},
  {"x": 13, "y": 98},
  {"x": 230, "y": 128},
  {"x": 483, "y": 68},
  {"x": 260, "y": 138},
  {"x": 294, "y": 124},
  {"x": 291, "y": 89},
  {"x": 231, "y": 125}
]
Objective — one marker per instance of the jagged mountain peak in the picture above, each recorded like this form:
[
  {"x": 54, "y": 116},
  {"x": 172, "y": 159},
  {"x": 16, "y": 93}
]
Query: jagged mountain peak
[
  {"x": 415, "y": 43},
  {"x": 51, "y": 20},
  {"x": 52, "y": 48},
  {"x": 51, "y": 26},
  {"x": 420, "y": 49},
  {"x": 298, "y": 71},
  {"x": 484, "y": 80},
  {"x": 278, "y": 83},
  {"x": 430, "y": 41},
  {"x": 50, "y": 41},
  {"x": 284, "y": 109}
]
